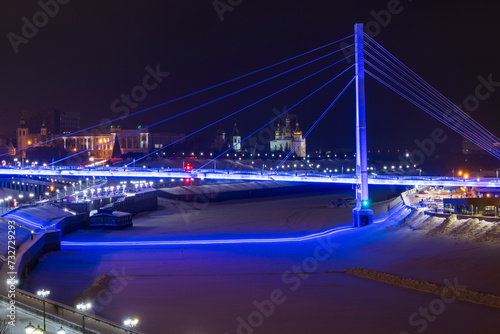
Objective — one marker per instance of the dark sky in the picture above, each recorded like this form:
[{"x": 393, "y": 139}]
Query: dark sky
[{"x": 91, "y": 52}]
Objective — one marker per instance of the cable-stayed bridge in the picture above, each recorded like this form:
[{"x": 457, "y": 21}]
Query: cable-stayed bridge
[{"x": 382, "y": 65}]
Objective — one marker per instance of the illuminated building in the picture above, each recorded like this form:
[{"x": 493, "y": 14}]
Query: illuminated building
[{"x": 286, "y": 139}]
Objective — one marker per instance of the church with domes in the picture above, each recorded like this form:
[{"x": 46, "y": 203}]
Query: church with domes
[{"x": 287, "y": 138}]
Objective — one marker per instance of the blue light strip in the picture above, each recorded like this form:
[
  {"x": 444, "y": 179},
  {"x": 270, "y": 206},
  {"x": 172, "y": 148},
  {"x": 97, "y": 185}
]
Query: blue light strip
[
  {"x": 211, "y": 174},
  {"x": 25, "y": 221},
  {"x": 234, "y": 241},
  {"x": 314, "y": 125},
  {"x": 198, "y": 107},
  {"x": 236, "y": 112},
  {"x": 274, "y": 119},
  {"x": 208, "y": 242}
]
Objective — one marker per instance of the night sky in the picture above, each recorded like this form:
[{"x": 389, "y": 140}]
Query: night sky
[{"x": 91, "y": 52}]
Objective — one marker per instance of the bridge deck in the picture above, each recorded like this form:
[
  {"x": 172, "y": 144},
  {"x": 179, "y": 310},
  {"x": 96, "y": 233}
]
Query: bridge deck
[{"x": 235, "y": 175}]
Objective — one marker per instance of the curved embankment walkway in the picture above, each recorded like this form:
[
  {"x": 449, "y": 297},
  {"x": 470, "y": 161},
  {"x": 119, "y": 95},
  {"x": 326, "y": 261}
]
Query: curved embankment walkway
[{"x": 397, "y": 208}]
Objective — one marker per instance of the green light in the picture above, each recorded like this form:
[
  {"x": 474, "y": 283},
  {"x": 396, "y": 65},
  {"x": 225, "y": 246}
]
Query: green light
[
  {"x": 140, "y": 126},
  {"x": 365, "y": 204}
]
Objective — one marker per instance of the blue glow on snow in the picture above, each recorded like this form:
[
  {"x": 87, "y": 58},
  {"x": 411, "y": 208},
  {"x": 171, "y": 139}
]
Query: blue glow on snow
[
  {"x": 229, "y": 241},
  {"x": 25, "y": 221}
]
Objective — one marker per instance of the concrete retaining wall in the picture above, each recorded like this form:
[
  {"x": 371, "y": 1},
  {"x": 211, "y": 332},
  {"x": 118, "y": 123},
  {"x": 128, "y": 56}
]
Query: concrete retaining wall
[
  {"x": 143, "y": 201},
  {"x": 73, "y": 223},
  {"x": 30, "y": 252}
]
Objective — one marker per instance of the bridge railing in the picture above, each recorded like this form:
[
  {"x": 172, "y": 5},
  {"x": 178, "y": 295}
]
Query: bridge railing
[{"x": 257, "y": 174}]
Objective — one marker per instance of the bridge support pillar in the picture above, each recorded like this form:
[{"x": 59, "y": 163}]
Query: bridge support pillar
[{"x": 362, "y": 215}]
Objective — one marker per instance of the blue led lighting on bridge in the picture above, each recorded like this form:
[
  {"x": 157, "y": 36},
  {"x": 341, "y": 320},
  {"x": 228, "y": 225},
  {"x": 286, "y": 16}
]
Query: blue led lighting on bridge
[{"x": 239, "y": 175}]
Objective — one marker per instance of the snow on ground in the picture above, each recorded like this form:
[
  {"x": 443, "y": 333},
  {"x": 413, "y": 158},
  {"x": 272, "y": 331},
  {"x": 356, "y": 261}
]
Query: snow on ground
[
  {"x": 461, "y": 230},
  {"x": 21, "y": 234},
  {"x": 228, "y": 288},
  {"x": 37, "y": 216}
]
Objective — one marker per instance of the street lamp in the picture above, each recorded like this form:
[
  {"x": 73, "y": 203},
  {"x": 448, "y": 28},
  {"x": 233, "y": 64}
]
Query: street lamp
[
  {"x": 12, "y": 281},
  {"x": 38, "y": 330},
  {"x": 29, "y": 329},
  {"x": 61, "y": 331},
  {"x": 43, "y": 293},
  {"x": 83, "y": 307},
  {"x": 131, "y": 323}
]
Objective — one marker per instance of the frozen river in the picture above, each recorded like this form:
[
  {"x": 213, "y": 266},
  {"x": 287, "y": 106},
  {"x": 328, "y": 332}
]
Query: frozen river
[{"x": 296, "y": 287}]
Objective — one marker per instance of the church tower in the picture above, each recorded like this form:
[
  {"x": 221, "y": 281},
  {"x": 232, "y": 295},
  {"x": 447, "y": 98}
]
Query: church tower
[
  {"x": 235, "y": 139},
  {"x": 43, "y": 130},
  {"x": 23, "y": 136},
  {"x": 297, "y": 137},
  {"x": 287, "y": 130}
]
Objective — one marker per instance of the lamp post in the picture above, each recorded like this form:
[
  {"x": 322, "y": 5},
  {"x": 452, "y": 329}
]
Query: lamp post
[
  {"x": 38, "y": 330},
  {"x": 43, "y": 293},
  {"x": 131, "y": 323},
  {"x": 83, "y": 307},
  {"x": 12, "y": 281},
  {"x": 61, "y": 331},
  {"x": 29, "y": 329}
]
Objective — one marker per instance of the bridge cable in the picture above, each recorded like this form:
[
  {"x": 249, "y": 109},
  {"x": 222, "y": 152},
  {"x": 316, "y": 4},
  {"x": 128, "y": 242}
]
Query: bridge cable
[
  {"x": 418, "y": 105},
  {"x": 314, "y": 125},
  {"x": 190, "y": 94},
  {"x": 275, "y": 118},
  {"x": 198, "y": 107},
  {"x": 461, "y": 117},
  {"x": 236, "y": 112},
  {"x": 425, "y": 85},
  {"x": 443, "y": 118}
]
